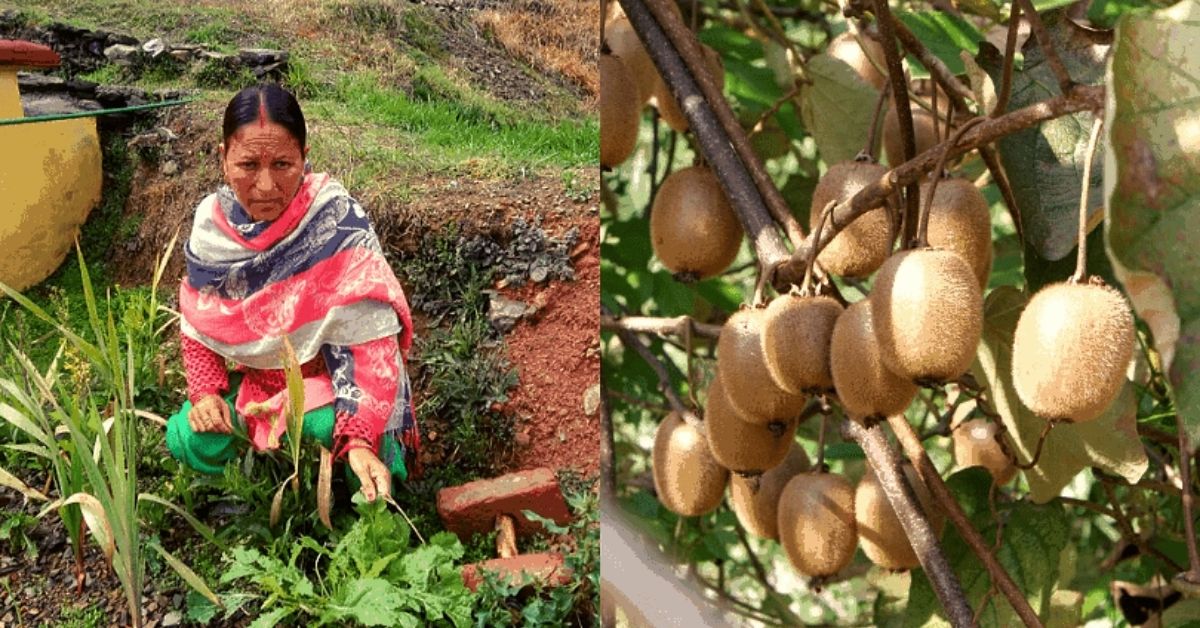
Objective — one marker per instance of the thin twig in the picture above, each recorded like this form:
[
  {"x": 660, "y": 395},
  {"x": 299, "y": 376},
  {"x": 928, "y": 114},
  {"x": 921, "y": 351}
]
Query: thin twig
[
  {"x": 631, "y": 341},
  {"x": 1185, "y": 453},
  {"x": 786, "y": 41},
  {"x": 1037, "y": 452},
  {"x": 873, "y": 134},
  {"x": 773, "y": 595},
  {"x": 937, "y": 487},
  {"x": 882, "y": 459},
  {"x": 1081, "y": 256},
  {"x": 923, "y": 226},
  {"x": 1043, "y": 36},
  {"x": 1083, "y": 503},
  {"x": 653, "y": 325}
]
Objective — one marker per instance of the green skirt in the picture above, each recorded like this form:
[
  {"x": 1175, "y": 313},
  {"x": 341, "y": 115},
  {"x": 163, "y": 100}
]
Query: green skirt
[{"x": 208, "y": 452}]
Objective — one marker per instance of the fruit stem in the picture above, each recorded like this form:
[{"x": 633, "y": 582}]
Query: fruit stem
[
  {"x": 937, "y": 487},
  {"x": 1037, "y": 452},
  {"x": 1010, "y": 52},
  {"x": 1185, "y": 475},
  {"x": 820, "y": 467},
  {"x": 922, "y": 240},
  {"x": 887, "y": 32},
  {"x": 1085, "y": 187},
  {"x": 806, "y": 285},
  {"x": 868, "y": 151}
]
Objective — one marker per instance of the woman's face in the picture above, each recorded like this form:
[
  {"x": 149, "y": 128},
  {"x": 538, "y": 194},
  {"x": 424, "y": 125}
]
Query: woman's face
[{"x": 264, "y": 165}]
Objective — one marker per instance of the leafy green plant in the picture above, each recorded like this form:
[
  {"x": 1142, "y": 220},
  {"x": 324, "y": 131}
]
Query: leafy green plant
[
  {"x": 371, "y": 576},
  {"x": 98, "y": 476},
  {"x": 14, "y": 530}
]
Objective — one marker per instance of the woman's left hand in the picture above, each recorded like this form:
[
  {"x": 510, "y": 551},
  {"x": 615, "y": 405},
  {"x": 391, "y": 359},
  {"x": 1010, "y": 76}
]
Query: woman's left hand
[{"x": 376, "y": 478}]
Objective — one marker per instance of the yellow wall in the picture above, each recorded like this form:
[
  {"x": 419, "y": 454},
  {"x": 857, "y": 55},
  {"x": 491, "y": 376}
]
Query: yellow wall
[
  {"x": 50, "y": 178},
  {"x": 10, "y": 99}
]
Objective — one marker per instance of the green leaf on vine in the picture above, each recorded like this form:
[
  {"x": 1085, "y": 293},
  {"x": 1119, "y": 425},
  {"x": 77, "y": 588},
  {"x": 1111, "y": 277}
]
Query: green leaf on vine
[
  {"x": 837, "y": 108},
  {"x": 944, "y": 34},
  {"x": 1153, "y": 169},
  {"x": 1109, "y": 442},
  {"x": 1044, "y": 163}
]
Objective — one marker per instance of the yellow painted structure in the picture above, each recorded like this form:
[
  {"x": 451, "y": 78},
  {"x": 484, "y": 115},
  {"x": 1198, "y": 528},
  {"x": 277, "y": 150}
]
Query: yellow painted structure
[{"x": 50, "y": 179}]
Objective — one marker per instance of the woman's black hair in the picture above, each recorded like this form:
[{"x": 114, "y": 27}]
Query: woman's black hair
[{"x": 269, "y": 99}]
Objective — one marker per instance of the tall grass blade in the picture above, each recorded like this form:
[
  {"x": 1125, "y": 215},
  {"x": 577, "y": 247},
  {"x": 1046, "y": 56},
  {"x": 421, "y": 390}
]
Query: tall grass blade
[
  {"x": 325, "y": 488},
  {"x": 97, "y": 521},
  {"x": 198, "y": 525},
  {"x": 195, "y": 581}
]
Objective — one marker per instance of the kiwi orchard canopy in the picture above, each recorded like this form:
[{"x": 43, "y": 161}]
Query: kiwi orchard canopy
[{"x": 50, "y": 176}]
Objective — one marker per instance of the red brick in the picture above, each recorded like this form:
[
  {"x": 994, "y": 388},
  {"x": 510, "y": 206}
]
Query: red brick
[
  {"x": 545, "y": 568},
  {"x": 473, "y": 507}
]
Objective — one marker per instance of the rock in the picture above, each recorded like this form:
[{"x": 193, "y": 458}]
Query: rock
[
  {"x": 591, "y": 399},
  {"x": 539, "y": 273},
  {"x": 177, "y": 600},
  {"x": 169, "y": 168},
  {"x": 121, "y": 54},
  {"x": 172, "y": 618},
  {"x": 503, "y": 312},
  {"x": 155, "y": 47}
]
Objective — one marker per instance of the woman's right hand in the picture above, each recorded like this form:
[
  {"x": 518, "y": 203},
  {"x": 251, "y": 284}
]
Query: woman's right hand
[{"x": 210, "y": 414}]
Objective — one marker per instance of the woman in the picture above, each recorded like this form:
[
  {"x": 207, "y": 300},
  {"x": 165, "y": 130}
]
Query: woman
[{"x": 283, "y": 252}]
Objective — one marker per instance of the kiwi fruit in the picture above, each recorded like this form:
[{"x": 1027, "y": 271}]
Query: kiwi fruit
[
  {"x": 846, "y": 48},
  {"x": 742, "y": 368},
  {"x": 741, "y": 447},
  {"x": 923, "y": 132},
  {"x": 816, "y": 523},
  {"x": 795, "y": 341},
  {"x": 693, "y": 230},
  {"x": 859, "y": 248},
  {"x": 623, "y": 41},
  {"x": 928, "y": 313},
  {"x": 619, "y": 112},
  {"x": 1071, "y": 349},
  {"x": 975, "y": 445},
  {"x": 880, "y": 533},
  {"x": 959, "y": 221},
  {"x": 755, "y": 501},
  {"x": 669, "y": 108},
  {"x": 688, "y": 480},
  {"x": 864, "y": 385}
]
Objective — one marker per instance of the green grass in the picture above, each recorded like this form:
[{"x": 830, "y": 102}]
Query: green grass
[
  {"x": 144, "y": 20},
  {"x": 443, "y": 135}
]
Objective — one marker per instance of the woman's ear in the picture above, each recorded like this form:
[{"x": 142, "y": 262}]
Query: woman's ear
[{"x": 221, "y": 154}]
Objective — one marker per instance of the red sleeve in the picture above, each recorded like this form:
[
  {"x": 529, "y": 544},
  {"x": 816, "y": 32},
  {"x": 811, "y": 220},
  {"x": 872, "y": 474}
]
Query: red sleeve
[
  {"x": 205, "y": 369},
  {"x": 365, "y": 379}
]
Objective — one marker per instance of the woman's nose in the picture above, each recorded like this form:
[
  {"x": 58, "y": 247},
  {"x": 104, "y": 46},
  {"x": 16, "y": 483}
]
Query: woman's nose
[{"x": 263, "y": 180}]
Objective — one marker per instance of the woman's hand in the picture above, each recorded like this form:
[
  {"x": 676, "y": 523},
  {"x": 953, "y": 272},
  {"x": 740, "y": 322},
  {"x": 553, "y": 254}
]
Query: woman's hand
[
  {"x": 210, "y": 414},
  {"x": 376, "y": 478}
]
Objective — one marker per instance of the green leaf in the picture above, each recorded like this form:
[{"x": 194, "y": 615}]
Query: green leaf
[
  {"x": 371, "y": 601},
  {"x": 944, "y": 34},
  {"x": 1105, "y": 13},
  {"x": 838, "y": 107},
  {"x": 1044, "y": 163},
  {"x": 189, "y": 576},
  {"x": 1109, "y": 442},
  {"x": 1154, "y": 172},
  {"x": 273, "y": 618}
]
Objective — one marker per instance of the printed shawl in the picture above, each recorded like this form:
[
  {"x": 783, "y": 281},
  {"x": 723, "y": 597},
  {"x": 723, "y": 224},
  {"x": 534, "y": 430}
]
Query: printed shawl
[{"x": 316, "y": 274}]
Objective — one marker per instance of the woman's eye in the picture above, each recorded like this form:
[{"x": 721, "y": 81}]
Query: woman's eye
[
  {"x": 282, "y": 164},
  {"x": 248, "y": 165}
]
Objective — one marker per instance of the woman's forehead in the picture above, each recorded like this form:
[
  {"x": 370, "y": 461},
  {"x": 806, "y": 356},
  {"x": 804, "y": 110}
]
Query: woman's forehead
[{"x": 260, "y": 136}]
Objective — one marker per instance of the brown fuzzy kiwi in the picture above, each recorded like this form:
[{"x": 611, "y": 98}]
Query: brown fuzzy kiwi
[
  {"x": 1071, "y": 349},
  {"x": 623, "y": 41},
  {"x": 860, "y": 247},
  {"x": 846, "y": 48},
  {"x": 925, "y": 138},
  {"x": 619, "y": 112},
  {"x": 758, "y": 510},
  {"x": 880, "y": 533},
  {"x": 668, "y": 107},
  {"x": 975, "y": 446},
  {"x": 688, "y": 480},
  {"x": 959, "y": 221},
  {"x": 928, "y": 314},
  {"x": 816, "y": 523},
  {"x": 742, "y": 447},
  {"x": 795, "y": 341},
  {"x": 693, "y": 230},
  {"x": 864, "y": 385},
  {"x": 742, "y": 368}
]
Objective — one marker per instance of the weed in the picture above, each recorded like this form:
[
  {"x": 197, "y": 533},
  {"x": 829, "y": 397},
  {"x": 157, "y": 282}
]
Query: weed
[
  {"x": 370, "y": 16},
  {"x": 14, "y": 531},
  {"x": 107, "y": 74},
  {"x": 303, "y": 79},
  {"x": 89, "y": 617},
  {"x": 227, "y": 74},
  {"x": 214, "y": 35},
  {"x": 576, "y": 189},
  {"x": 421, "y": 30}
]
